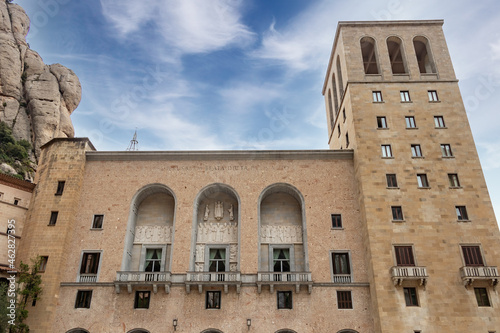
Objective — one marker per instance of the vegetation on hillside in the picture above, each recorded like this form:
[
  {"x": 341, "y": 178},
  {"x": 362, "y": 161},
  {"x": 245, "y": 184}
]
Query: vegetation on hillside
[{"x": 15, "y": 153}]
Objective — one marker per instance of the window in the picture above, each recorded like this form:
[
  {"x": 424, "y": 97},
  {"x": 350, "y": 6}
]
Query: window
[
  {"x": 369, "y": 55},
  {"x": 462, "y": 213},
  {"x": 377, "y": 96},
  {"x": 381, "y": 122},
  {"x": 411, "y": 296},
  {"x": 281, "y": 260},
  {"x": 398, "y": 65},
  {"x": 330, "y": 107},
  {"x": 344, "y": 299},
  {"x": 439, "y": 122},
  {"x": 142, "y": 299},
  {"x": 386, "y": 151},
  {"x": 410, "y": 122},
  {"x": 340, "y": 261},
  {"x": 43, "y": 263},
  {"x": 433, "y": 96},
  {"x": 446, "y": 150},
  {"x": 343, "y": 116},
  {"x": 16, "y": 201},
  {"x": 416, "y": 151},
  {"x": 284, "y": 299},
  {"x": 391, "y": 180},
  {"x": 453, "y": 178},
  {"x": 339, "y": 76},
  {"x": 404, "y": 255},
  {"x": 89, "y": 266},
  {"x": 482, "y": 297},
  {"x": 53, "y": 218},
  {"x": 405, "y": 96},
  {"x": 422, "y": 180},
  {"x": 338, "y": 130},
  {"x": 347, "y": 140},
  {"x": 153, "y": 260},
  {"x": 212, "y": 300},
  {"x": 472, "y": 255},
  {"x": 83, "y": 298},
  {"x": 397, "y": 213},
  {"x": 60, "y": 187},
  {"x": 336, "y": 221},
  {"x": 97, "y": 222},
  {"x": 424, "y": 56}
]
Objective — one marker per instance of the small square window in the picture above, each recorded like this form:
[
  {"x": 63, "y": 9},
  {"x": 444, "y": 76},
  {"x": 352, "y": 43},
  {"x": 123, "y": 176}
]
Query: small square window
[
  {"x": 377, "y": 96},
  {"x": 416, "y": 151},
  {"x": 391, "y": 180},
  {"x": 284, "y": 299},
  {"x": 453, "y": 178},
  {"x": 43, "y": 263},
  {"x": 462, "y": 213},
  {"x": 386, "y": 151},
  {"x": 53, "y": 218},
  {"x": 433, "y": 96},
  {"x": 397, "y": 213},
  {"x": 446, "y": 150},
  {"x": 142, "y": 299},
  {"x": 60, "y": 187},
  {"x": 381, "y": 122},
  {"x": 212, "y": 300},
  {"x": 344, "y": 299},
  {"x": 482, "y": 297},
  {"x": 16, "y": 201},
  {"x": 411, "y": 296},
  {"x": 97, "y": 222},
  {"x": 405, "y": 96},
  {"x": 472, "y": 255},
  {"x": 404, "y": 255},
  {"x": 439, "y": 122},
  {"x": 422, "y": 180},
  {"x": 410, "y": 122},
  {"x": 347, "y": 140},
  {"x": 336, "y": 221},
  {"x": 83, "y": 298}
]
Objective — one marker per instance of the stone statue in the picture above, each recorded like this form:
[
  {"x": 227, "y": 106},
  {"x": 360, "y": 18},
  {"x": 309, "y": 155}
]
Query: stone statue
[
  {"x": 231, "y": 213},
  {"x": 219, "y": 210},
  {"x": 207, "y": 211}
]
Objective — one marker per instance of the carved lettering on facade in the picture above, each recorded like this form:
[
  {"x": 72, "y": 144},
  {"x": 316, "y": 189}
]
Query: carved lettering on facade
[
  {"x": 153, "y": 234},
  {"x": 280, "y": 234}
]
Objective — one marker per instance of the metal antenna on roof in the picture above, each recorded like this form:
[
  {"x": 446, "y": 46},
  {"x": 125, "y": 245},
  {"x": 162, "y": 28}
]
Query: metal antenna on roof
[{"x": 133, "y": 143}]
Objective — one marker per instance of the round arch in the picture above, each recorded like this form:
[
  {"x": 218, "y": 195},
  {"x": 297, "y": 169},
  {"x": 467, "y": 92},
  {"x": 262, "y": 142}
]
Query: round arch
[
  {"x": 369, "y": 54},
  {"x": 143, "y": 193},
  {"x": 77, "y": 330},
  {"x": 347, "y": 331},
  {"x": 285, "y": 330},
  {"x": 397, "y": 54},
  {"x": 138, "y": 330},
  {"x": 211, "y": 330},
  {"x": 423, "y": 53}
]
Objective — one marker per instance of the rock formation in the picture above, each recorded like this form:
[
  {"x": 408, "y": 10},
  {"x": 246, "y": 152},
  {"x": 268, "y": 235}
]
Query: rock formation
[{"x": 36, "y": 100}]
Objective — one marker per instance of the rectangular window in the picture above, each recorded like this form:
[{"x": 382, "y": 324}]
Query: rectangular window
[
  {"x": 461, "y": 213},
  {"x": 397, "y": 213},
  {"x": 377, "y": 96},
  {"x": 411, "y": 296},
  {"x": 446, "y": 150},
  {"x": 416, "y": 151},
  {"x": 16, "y": 201},
  {"x": 472, "y": 255},
  {"x": 142, "y": 299},
  {"x": 347, "y": 140},
  {"x": 90, "y": 263},
  {"x": 97, "y": 221},
  {"x": 43, "y": 263},
  {"x": 212, "y": 300},
  {"x": 405, "y": 96},
  {"x": 381, "y": 122},
  {"x": 152, "y": 261},
  {"x": 386, "y": 151},
  {"x": 422, "y": 180},
  {"x": 344, "y": 299},
  {"x": 391, "y": 180},
  {"x": 53, "y": 218},
  {"x": 433, "y": 96},
  {"x": 284, "y": 299},
  {"x": 439, "y": 121},
  {"x": 341, "y": 263},
  {"x": 343, "y": 115},
  {"x": 83, "y": 298},
  {"x": 336, "y": 221},
  {"x": 482, "y": 297},
  {"x": 338, "y": 130},
  {"x": 453, "y": 178},
  {"x": 60, "y": 187},
  {"x": 281, "y": 260},
  {"x": 410, "y": 122},
  {"x": 404, "y": 256}
]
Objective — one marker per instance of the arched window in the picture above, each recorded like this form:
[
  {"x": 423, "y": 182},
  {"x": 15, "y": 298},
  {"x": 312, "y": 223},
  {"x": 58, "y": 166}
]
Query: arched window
[
  {"x": 285, "y": 331},
  {"x": 339, "y": 74},
  {"x": 330, "y": 108},
  {"x": 211, "y": 330},
  {"x": 77, "y": 330},
  {"x": 370, "y": 63},
  {"x": 396, "y": 56},
  {"x": 138, "y": 330},
  {"x": 424, "y": 57},
  {"x": 335, "y": 97}
]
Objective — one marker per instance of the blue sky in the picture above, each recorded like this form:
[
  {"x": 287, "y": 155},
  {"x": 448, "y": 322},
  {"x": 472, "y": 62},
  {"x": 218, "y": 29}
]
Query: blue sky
[{"x": 234, "y": 74}]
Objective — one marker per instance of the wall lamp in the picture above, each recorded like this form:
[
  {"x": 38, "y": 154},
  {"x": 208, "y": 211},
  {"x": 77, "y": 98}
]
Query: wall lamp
[
  {"x": 249, "y": 323},
  {"x": 175, "y": 324}
]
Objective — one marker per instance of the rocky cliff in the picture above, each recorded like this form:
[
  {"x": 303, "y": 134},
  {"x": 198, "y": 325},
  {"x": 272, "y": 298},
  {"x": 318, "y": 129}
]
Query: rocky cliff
[{"x": 36, "y": 100}]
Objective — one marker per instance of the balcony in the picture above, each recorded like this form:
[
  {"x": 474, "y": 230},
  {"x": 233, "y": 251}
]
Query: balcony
[
  {"x": 87, "y": 278},
  {"x": 471, "y": 273},
  {"x": 342, "y": 278},
  {"x": 211, "y": 279},
  {"x": 273, "y": 279},
  {"x": 401, "y": 273},
  {"x": 143, "y": 279}
]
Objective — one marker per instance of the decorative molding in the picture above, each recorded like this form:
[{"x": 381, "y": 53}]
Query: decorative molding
[
  {"x": 153, "y": 234},
  {"x": 277, "y": 234}
]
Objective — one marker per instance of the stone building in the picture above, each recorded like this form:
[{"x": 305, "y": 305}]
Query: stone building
[{"x": 390, "y": 230}]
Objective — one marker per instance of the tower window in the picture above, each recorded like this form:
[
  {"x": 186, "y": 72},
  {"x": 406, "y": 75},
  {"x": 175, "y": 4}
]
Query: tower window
[
  {"x": 391, "y": 180},
  {"x": 284, "y": 299},
  {"x": 43, "y": 263},
  {"x": 153, "y": 260},
  {"x": 410, "y": 122},
  {"x": 439, "y": 122},
  {"x": 16, "y": 201},
  {"x": 83, "y": 298},
  {"x": 462, "y": 213},
  {"x": 446, "y": 150},
  {"x": 347, "y": 140},
  {"x": 369, "y": 55},
  {"x": 212, "y": 300},
  {"x": 422, "y": 180},
  {"x": 343, "y": 115},
  {"x": 97, "y": 221},
  {"x": 433, "y": 96},
  {"x": 453, "y": 178},
  {"x": 381, "y": 122},
  {"x": 397, "y": 213},
  {"x": 60, "y": 187},
  {"x": 142, "y": 299},
  {"x": 482, "y": 297},
  {"x": 377, "y": 96},
  {"x": 398, "y": 65},
  {"x": 344, "y": 299},
  {"x": 341, "y": 263},
  {"x": 424, "y": 57},
  {"x": 386, "y": 151},
  {"x": 416, "y": 151},
  {"x": 338, "y": 130},
  {"x": 472, "y": 255},
  {"x": 339, "y": 75},
  {"x": 336, "y": 221},
  {"x": 53, "y": 218},
  {"x": 411, "y": 296},
  {"x": 404, "y": 256},
  {"x": 405, "y": 96},
  {"x": 330, "y": 107}
]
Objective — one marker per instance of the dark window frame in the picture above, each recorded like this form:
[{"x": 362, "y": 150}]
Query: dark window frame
[
  {"x": 60, "y": 187},
  {"x": 337, "y": 267},
  {"x": 53, "y": 218},
  {"x": 422, "y": 180},
  {"x": 377, "y": 96},
  {"x": 462, "y": 213},
  {"x": 213, "y": 299},
  {"x": 411, "y": 296},
  {"x": 433, "y": 95},
  {"x": 336, "y": 221},
  {"x": 97, "y": 221},
  {"x": 382, "y": 122},
  {"x": 83, "y": 299},
  {"x": 410, "y": 122},
  {"x": 43, "y": 263},
  {"x": 416, "y": 150},
  {"x": 439, "y": 122},
  {"x": 404, "y": 255},
  {"x": 405, "y": 96},
  {"x": 482, "y": 297},
  {"x": 92, "y": 266},
  {"x": 284, "y": 300},
  {"x": 473, "y": 257},
  {"x": 392, "y": 180},
  {"x": 453, "y": 180},
  {"x": 446, "y": 150},
  {"x": 144, "y": 301},
  {"x": 344, "y": 299},
  {"x": 397, "y": 213}
]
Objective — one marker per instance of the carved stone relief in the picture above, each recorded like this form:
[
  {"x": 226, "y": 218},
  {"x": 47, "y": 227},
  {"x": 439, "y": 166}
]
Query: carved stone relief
[
  {"x": 213, "y": 232},
  {"x": 153, "y": 234},
  {"x": 280, "y": 234},
  {"x": 233, "y": 251}
]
